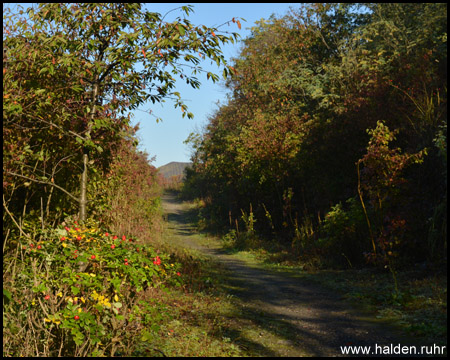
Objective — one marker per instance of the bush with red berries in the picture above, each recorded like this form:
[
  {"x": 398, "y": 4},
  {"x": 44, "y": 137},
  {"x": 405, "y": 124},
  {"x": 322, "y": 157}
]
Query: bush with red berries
[{"x": 80, "y": 288}]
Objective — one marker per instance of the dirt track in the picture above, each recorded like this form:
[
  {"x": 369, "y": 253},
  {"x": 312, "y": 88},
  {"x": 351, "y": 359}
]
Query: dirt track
[{"x": 293, "y": 317}]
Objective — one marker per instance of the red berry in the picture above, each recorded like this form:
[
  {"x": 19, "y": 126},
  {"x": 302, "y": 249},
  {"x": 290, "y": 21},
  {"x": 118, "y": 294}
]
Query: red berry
[
  {"x": 93, "y": 257},
  {"x": 126, "y": 260},
  {"x": 76, "y": 317},
  {"x": 126, "y": 263},
  {"x": 113, "y": 246},
  {"x": 47, "y": 297},
  {"x": 39, "y": 247},
  {"x": 106, "y": 234}
]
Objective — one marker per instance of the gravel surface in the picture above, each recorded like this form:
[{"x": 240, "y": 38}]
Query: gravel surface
[{"x": 294, "y": 317}]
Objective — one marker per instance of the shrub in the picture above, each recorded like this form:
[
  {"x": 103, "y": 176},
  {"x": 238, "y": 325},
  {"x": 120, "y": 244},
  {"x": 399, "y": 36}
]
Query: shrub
[
  {"x": 127, "y": 196},
  {"x": 343, "y": 235},
  {"x": 77, "y": 290}
]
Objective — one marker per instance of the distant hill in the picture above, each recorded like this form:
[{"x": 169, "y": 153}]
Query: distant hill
[{"x": 173, "y": 168}]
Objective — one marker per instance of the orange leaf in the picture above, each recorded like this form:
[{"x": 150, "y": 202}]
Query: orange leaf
[
  {"x": 159, "y": 52},
  {"x": 238, "y": 24},
  {"x": 213, "y": 33},
  {"x": 101, "y": 27},
  {"x": 143, "y": 52}
]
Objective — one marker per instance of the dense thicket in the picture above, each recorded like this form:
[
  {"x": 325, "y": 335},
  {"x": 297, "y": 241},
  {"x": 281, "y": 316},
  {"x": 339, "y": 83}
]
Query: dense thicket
[
  {"x": 333, "y": 137},
  {"x": 80, "y": 201},
  {"x": 71, "y": 73}
]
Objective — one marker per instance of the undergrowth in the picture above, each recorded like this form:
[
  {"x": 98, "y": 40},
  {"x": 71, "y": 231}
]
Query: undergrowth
[
  {"x": 78, "y": 290},
  {"x": 418, "y": 305},
  {"x": 416, "y": 301}
]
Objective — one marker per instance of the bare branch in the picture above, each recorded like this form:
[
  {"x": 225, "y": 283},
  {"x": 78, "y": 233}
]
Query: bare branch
[
  {"x": 14, "y": 220},
  {"x": 46, "y": 183}
]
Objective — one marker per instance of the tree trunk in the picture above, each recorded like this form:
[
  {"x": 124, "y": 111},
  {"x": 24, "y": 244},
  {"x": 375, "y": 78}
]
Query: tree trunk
[
  {"x": 84, "y": 176},
  {"x": 83, "y": 187}
]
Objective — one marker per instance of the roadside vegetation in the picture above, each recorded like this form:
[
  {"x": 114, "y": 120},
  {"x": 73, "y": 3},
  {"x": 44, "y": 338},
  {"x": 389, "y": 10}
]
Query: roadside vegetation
[
  {"x": 328, "y": 162},
  {"x": 330, "y": 154},
  {"x": 82, "y": 274}
]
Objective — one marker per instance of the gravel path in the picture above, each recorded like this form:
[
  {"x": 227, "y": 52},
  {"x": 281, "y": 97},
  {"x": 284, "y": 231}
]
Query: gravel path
[{"x": 294, "y": 317}]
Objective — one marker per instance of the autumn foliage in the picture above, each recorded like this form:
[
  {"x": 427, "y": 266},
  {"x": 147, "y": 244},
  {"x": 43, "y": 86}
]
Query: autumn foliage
[
  {"x": 334, "y": 134},
  {"x": 72, "y": 74}
]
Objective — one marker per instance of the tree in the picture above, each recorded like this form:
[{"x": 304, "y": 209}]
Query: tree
[
  {"x": 307, "y": 87},
  {"x": 115, "y": 57}
]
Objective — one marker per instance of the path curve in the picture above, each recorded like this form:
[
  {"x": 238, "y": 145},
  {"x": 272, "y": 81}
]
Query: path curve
[{"x": 318, "y": 321}]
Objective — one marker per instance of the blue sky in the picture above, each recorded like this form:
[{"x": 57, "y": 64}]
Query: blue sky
[{"x": 165, "y": 139}]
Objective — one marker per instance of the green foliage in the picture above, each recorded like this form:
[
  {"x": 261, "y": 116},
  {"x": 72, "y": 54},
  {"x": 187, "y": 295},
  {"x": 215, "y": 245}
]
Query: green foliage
[
  {"x": 77, "y": 289},
  {"x": 70, "y": 76},
  {"x": 343, "y": 235},
  {"x": 307, "y": 87},
  {"x": 71, "y": 73}
]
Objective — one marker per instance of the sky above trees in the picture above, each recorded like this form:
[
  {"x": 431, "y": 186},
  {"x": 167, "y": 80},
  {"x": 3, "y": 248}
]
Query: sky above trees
[{"x": 165, "y": 140}]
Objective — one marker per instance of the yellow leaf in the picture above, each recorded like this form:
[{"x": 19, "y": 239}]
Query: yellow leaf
[
  {"x": 116, "y": 298},
  {"x": 82, "y": 299},
  {"x": 47, "y": 320},
  {"x": 59, "y": 294}
]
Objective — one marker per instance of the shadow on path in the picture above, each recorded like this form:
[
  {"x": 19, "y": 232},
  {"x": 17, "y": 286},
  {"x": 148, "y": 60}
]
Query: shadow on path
[{"x": 304, "y": 319}]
